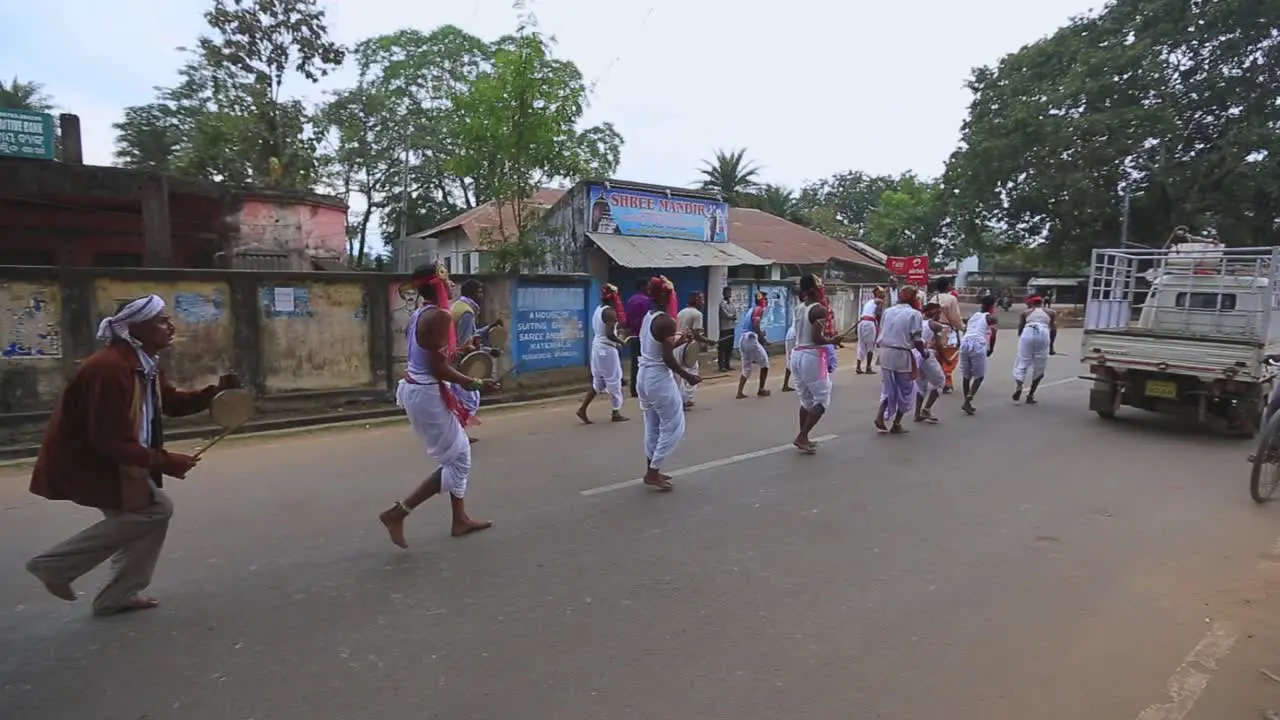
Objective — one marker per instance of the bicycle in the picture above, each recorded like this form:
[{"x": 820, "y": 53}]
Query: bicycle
[{"x": 1266, "y": 459}]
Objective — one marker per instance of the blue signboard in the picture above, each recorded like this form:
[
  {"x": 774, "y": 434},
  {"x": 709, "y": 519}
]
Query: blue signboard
[
  {"x": 633, "y": 212},
  {"x": 550, "y": 327}
]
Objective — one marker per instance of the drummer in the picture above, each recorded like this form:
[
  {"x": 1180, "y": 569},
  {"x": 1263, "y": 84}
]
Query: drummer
[
  {"x": 690, "y": 324},
  {"x": 465, "y": 311}
]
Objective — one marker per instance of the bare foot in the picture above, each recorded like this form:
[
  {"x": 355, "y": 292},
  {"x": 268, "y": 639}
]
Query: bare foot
[
  {"x": 393, "y": 521},
  {"x": 898, "y": 430},
  {"x": 805, "y": 446},
  {"x": 137, "y": 602},
  {"x": 967, "y": 407},
  {"x": 468, "y": 526},
  {"x": 1031, "y": 400},
  {"x": 60, "y": 590},
  {"x": 1017, "y": 395},
  {"x": 880, "y": 424},
  {"x": 658, "y": 481},
  {"x": 619, "y": 417},
  {"x": 471, "y": 440},
  {"x": 582, "y": 415},
  {"x": 740, "y": 396},
  {"x": 788, "y": 388},
  {"x": 764, "y": 393}
]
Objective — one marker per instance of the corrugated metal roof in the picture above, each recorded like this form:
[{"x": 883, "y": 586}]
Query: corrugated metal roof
[{"x": 652, "y": 252}]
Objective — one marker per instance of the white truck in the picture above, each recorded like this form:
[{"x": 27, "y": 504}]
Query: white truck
[{"x": 1186, "y": 329}]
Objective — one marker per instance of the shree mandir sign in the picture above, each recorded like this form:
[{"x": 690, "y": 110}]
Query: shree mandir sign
[{"x": 620, "y": 211}]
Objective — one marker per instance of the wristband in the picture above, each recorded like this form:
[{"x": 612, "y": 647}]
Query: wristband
[{"x": 475, "y": 384}]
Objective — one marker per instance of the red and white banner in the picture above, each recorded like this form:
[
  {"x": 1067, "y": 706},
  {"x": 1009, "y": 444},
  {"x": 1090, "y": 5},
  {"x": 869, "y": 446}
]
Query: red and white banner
[{"x": 915, "y": 269}]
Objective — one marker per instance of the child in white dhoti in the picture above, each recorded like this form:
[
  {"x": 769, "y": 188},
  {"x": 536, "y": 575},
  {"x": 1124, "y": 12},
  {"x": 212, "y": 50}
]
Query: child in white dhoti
[
  {"x": 869, "y": 329},
  {"x": 435, "y": 412},
  {"x": 811, "y": 360},
  {"x": 976, "y": 346},
  {"x": 606, "y": 364},
  {"x": 1037, "y": 330},
  {"x": 930, "y": 379},
  {"x": 660, "y": 399},
  {"x": 752, "y": 347}
]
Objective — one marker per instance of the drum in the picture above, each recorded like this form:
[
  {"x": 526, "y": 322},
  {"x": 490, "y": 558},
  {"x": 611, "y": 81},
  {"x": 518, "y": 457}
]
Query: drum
[
  {"x": 477, "y": 364},
  {"x": 692, "y": 351}
]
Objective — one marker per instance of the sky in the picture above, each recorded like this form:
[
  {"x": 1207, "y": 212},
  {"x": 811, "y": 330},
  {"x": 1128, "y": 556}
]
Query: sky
[{"x": 809, "y": 87}]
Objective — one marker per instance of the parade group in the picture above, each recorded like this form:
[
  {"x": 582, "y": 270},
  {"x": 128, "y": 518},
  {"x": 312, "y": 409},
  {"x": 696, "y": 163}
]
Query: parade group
[{"x": 104, "y": 445}]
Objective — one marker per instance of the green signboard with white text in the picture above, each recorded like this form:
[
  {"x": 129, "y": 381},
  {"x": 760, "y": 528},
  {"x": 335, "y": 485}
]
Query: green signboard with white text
[{"x": 26, "y": 134}]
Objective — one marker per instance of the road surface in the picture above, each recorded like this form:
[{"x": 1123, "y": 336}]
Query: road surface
[{"x": 1029, "y": 562}]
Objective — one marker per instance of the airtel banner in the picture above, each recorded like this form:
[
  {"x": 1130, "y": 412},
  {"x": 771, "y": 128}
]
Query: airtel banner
[{"x": 915, "y": 269}]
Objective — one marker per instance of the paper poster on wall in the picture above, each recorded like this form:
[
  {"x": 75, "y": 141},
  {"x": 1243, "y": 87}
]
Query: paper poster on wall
[{"x": 283, "y": 302}]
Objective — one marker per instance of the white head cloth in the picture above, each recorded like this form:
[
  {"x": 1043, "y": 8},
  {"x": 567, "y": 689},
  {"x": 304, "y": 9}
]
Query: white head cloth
[{"x": 116, "y": 327}]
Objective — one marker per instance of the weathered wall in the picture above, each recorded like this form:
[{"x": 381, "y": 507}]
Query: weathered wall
[
  {"x": 31, "y": 367},
  {"x": 314, "y": 336},
  {"x": 203, "y": 345},
  {"x": 299, "y": 227}
]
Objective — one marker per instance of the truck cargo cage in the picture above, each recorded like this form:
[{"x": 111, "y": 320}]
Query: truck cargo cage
[{"x": 1199, "y": 288}]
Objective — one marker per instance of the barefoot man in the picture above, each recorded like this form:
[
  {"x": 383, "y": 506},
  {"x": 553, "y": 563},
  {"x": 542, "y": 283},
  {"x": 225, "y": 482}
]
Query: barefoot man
[
  {"x": 752, "y": 348},
  {"x": 790, "y": 342},
  {"x": 868, "y": 329},
  {"x": 976, "y": 346},
  {"x": 104, "y": 449},
  {"x": 811, "y": 359},
  {"x": 930, "y": 378},
  {"x": 1037, "y": 330},
  {"x": 901, "y": 328},
  {"x": 606, "y": 363},
  {"x": 436, "y": 413},
  {"x": 660, "y": 399},
  {"x": 689, "y": 325}
]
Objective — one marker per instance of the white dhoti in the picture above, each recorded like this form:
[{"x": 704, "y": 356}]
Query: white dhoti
[
  {"x": 866, "y": 338},
  {"x": 606, "y": 372},
  {"x": 930, "y": 376},
  {"x": 753, "y": 354},
  {"x": 687, "y": 391},
  {"x": 440, "y": 432},
  {"x": 973, "y": 358},
  {"x": 809, "y": 371},
  {"x": 663, "y": 411},
  {"x": 1033, "y": 352}
]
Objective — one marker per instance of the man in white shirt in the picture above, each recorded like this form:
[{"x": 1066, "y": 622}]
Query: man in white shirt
[
  {"x": 901, "y": 328},
  {"x": 689, "y": 323}
]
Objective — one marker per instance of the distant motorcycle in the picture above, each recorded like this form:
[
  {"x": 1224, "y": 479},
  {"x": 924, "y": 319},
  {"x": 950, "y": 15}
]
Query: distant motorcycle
[{"x": 1005, "y": 302}]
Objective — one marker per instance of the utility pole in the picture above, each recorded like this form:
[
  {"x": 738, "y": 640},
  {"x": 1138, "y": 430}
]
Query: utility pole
[
  {"x": 1124, "y": 220},
  {"x": 403, "y": 251}
]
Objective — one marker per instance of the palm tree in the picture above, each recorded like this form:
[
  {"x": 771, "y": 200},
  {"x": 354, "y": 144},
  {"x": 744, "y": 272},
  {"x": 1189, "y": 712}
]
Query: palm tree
[
  {"x": 19, "y": 95},
  {"x": 779, "y": 201},
  {"x": 730, "y": 174}
]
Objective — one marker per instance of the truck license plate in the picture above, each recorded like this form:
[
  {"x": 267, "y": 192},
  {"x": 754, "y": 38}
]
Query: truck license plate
[{"x": 1162, "y": 389}]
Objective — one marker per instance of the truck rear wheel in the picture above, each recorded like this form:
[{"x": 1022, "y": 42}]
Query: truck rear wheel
[{"x": 1105, "y": 402}]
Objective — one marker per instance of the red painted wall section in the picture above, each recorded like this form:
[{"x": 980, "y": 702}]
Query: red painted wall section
[{"x": 302, "y": 228}]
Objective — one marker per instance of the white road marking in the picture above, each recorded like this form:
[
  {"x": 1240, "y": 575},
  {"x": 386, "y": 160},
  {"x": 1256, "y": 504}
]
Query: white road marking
[
  {"x": 1189, "y": 681},
  {"x": 1063, "y": 381},
  {"x": 732, "y": 459}
]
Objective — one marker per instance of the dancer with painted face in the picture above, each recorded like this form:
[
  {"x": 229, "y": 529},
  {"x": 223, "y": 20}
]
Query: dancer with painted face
[
  {"x": 869, "y": 330},
  {"x": 660, "y": 397},
  {"x": 812, "y": 358},
  {"x": 1037, "y": 331},
  {"x": 753, "y": 346},
  {"x": 606, "y": 363},
  {"x": 976, "y": 346}
]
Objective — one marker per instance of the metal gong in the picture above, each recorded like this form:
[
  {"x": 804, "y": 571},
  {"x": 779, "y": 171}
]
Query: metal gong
[
  {"x": 229, "y": 410},
  {"x": 478, "y": 364},
  {"x": 498, "y": 337}
]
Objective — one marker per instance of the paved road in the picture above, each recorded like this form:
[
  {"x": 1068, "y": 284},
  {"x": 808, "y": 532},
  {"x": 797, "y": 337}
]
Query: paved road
[{"x": 1027, "y": 562}]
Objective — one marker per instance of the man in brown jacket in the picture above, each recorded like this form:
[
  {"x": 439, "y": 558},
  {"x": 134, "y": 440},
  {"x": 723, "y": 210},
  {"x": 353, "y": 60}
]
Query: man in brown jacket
[{"x": 104, "y": 448}]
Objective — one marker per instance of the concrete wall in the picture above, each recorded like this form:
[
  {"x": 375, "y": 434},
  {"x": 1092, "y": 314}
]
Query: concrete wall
[{"x": 300, "y": 341}]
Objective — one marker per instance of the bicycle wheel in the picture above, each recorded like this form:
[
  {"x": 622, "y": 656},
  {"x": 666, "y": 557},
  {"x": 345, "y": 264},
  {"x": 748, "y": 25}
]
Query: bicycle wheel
[{"x": 1265, "y": 476}]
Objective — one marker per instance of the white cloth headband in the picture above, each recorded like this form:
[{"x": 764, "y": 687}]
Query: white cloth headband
[{"x": 143, "y": 309}]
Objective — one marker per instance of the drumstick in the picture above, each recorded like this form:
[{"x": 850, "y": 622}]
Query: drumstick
[{"x": 218, "y": 439}]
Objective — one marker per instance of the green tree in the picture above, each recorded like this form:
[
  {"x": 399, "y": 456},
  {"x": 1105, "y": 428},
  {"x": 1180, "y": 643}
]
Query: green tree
[
  {"x": 1169, "y": 102},
  {"x": 518, "y": 130},
  {"x": 20, "y": 95},
  {"x": 840, "y": 205},
  {"x": 908, "y": 220},
  {"x": 730, "y": 174}
]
